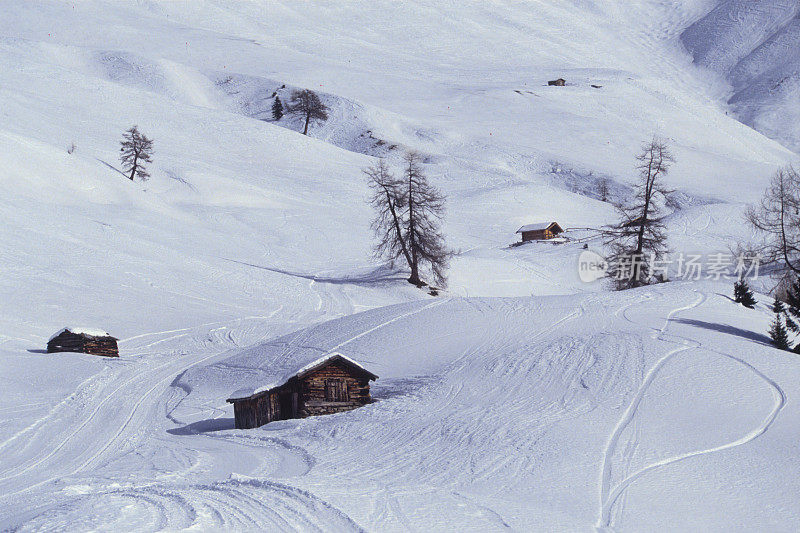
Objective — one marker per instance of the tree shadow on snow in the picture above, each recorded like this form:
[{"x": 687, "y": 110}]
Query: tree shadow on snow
[
  {"x": 112, "y": 167},
  {"x": 376, "y": 276},
  {"x": 38, "y": 351},
  {"x": 725, "y": 296},
  {"x": 204, "y": 426},
  {"x": 724, "y": 328}
]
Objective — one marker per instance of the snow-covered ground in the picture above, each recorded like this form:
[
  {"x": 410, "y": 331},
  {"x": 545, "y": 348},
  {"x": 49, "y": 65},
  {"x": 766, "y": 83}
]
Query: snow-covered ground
[
  {"x": 519, "y": 398},
  {"x": 659, "y": 408}
]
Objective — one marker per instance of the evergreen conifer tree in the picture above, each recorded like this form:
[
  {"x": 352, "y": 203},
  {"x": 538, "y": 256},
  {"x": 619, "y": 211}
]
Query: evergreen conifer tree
[
  {"x": 777, "y": 331},
  {"x": 277, "y": 109},
  {"x": 793, "y": 306},
  {"x": 737, "y": 292},
  {"x": 743, "y": 295}
]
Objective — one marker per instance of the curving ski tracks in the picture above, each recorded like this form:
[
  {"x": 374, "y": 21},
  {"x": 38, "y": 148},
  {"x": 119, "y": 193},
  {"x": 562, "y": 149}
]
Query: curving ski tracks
[{"x": 609, "y": 496}]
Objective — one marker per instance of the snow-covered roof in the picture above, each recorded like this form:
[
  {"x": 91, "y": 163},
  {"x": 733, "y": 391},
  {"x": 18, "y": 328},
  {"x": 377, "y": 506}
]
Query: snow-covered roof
[
  {"x": 324, "y": 359},
  {"x": 540, "y": 226},
  {"x": 248, "y": 392},
  {"x": 80, "y": 330}
]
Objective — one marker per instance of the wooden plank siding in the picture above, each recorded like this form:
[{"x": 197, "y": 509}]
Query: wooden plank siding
[
  {"x": 72, "y": 342},
  {"x": 315, "y": 401},
  {"x": 550, "y": 232},
  {"x": 541, "y": 235},
  {"x": 331, "y": 388},
  {"x": 257, "y": 411}
]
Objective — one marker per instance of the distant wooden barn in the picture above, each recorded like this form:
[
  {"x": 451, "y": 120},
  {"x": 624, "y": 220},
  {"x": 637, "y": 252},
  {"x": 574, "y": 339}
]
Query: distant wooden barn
[
  {"x": 633, "y": 223},
  {"x": 84, "y": 340},
  {"x": 560, "y": 82},
  {"x": 331, "y": 384},
  {"x": 540, "y": 232}
]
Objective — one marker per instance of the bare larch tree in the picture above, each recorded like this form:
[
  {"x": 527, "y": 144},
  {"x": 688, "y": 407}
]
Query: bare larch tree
[
  {"x": 388, "y": 202},
  {"x": 639, "y": 239},
  {"x": 777, "y": 217},
  {"x": 425, "y": 211},
  {"x": 136, "y": 150},
  {"x": 408, "y": 215},
  {"x": 307, "y": 105}
]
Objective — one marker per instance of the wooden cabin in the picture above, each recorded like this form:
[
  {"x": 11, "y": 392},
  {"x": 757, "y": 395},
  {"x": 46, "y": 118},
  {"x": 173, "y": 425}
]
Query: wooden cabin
[
  {"x": 331, "y": 384},
  {"x": 540, "y": 232},
  {"x": 84, "y": 340},
  {"x": 633, "y": 223},
  {"x": 560, "y": 82}
]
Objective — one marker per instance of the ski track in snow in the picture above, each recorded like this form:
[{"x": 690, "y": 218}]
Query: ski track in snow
[
  {"x": 608, "y": 498},
  {"x": 162, "y": 376},
  {"x": 232, "y": 503},
  {"x": 463, "y": 428},
  {"x": 390, "y": 321}
]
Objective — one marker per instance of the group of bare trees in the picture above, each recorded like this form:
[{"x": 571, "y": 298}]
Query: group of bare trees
[
  {"x": 777, "y": 219},
  {"x": 639, "y": 239},
  {"x": 409, "y": 212},
  {"x": 137, "y": 149},
  {"x": 408, "y": 218}
]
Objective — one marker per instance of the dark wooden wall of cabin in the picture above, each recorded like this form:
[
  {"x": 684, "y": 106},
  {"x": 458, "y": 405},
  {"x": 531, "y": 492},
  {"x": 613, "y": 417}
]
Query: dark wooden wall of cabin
[
  {"x": 534, "y": 235},
  {"x": 255, "y": 412},
  {"x": 313, "y": 398},
  {"x": 69, "y": 342},
  {"x": 310, "y": 400}
]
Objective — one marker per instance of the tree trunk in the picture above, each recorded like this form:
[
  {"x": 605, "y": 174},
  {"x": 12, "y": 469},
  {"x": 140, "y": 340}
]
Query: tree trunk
[
  {"x": 308, "y": 118},
  {"x": 135, "y": 165},
  {"x": 648, "y": 194},
  {"x": 414, "y": 278},
  {"x": 393, "y": 211}
]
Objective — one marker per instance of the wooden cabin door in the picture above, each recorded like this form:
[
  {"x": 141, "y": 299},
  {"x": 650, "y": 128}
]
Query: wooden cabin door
[
  {"x": 335, "y": 390},
  {"x": 288, "y": 405}
]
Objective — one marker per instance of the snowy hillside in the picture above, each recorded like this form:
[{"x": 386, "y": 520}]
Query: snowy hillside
[
  {"x": 519, "y": 398},
  {"x": 755, "y": 44}
]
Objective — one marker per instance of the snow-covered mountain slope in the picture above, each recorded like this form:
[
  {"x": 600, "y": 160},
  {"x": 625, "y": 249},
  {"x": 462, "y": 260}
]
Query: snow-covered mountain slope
[
  {"x": 755, "y": 44},
  {"x": 506, "y": 148},
  {"x": 548, "y": 413},
  {"x": 249, "y": 233}
]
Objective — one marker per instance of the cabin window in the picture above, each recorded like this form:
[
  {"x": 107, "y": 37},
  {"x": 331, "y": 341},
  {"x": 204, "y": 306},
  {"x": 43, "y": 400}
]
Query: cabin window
[{"x": 335, "y": 390}]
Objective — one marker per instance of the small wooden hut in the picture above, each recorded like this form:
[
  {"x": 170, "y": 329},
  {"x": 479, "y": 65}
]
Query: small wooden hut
[
  {"x": 560, "y": 82},
  {"x": 331, "y": 384},
  {"x": 632, "y": 223},
  {"x": 84, "y": 340},
  {"x": 540, "y": 232}
]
